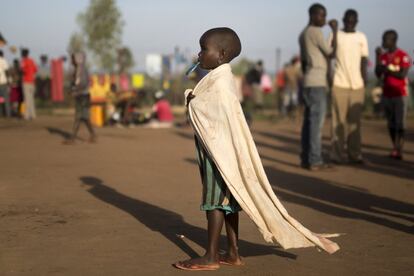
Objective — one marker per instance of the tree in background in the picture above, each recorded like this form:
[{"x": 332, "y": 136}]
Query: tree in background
[
  {"x": 76, "y": 43},
  {"x": 125, "y": 60},
  {"x": 242, "y": 66},
  {"x": 102, "y": 25}
]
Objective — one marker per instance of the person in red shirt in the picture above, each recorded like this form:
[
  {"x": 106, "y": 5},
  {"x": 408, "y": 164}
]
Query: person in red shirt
[
  {"x": 392, "y": 67},
  {"x": 161, "y": 116},
  {"x": 29, "y": 69},
  {"x": 162, "y": 109}
]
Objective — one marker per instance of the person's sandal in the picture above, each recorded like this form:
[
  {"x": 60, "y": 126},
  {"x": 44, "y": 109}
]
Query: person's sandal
[
  {"x": 399, "y": 156},
  {"x": 393, "y": 154},
  {"x": 321, "y": 167},
  {"x": 196, "y": 267}
]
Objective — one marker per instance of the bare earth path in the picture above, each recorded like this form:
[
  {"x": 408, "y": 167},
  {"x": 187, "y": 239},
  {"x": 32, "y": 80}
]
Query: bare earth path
[{"x": 128, "y": 205}]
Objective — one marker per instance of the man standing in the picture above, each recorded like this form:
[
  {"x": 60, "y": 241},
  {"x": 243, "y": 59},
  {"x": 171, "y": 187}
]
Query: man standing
[
  {"x": 315, "y": 52},
  {"x": 348, "y": 91},
  {"x": 253, "y": 78},
  {"x": 290, "y": 95},
  {"x": 392, "y": 66},
  {"x": 4, "y": 88},
  {"x": 29, "y": 70},
  {"x": 252, "y": 94}
]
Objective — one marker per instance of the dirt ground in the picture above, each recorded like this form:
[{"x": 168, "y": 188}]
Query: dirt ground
[{"x": 119, "y": 207}]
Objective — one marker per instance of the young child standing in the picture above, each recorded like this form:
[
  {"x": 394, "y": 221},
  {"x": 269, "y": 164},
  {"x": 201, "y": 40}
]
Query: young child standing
[
  {"x": 80, "y": 90},
  {"x": 232, "y": 174}
]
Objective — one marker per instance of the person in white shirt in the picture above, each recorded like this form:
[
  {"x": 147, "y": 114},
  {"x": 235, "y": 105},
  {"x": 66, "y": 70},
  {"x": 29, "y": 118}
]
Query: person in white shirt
[
  {"x": 4, "y": 88},
  {"x": 348, "y": 91}
]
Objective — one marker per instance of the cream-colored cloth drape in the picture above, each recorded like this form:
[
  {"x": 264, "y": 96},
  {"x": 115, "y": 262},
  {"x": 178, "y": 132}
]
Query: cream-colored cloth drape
[{"x": 217, "y": 119}]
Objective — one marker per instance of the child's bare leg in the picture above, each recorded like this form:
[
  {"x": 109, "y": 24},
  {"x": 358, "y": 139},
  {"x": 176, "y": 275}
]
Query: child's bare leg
[
  {"x": 211, "y": 257},
  {"x": 215, "y": 224},
  {"x": 232, "y": 229},
  {"x": 70, "y": 140},
  {"x": 75, "y": 129},
  {"x": 92, "y": 136}
]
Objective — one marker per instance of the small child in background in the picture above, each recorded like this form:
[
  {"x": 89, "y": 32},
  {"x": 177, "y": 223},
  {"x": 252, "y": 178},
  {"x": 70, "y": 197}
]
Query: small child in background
[{"x": 80, "y": 90}]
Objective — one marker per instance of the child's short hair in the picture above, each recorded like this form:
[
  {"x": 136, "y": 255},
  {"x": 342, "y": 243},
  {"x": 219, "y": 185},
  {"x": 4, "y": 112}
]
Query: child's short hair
[
  {"x": 315, "y": 8},
  {"x": 351, "y": 12},
  {"x": 228, "y": 40},
  {"x": 25, "y": 52},
  {"x": 43, "y": 58},
  {"x": 391, "y": 32}
]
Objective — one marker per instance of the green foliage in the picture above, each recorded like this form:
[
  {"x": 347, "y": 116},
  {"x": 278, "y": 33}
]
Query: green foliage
[
  {"x": 102, "y": 25},
  {"x": 241, "y": 67},
  {"x": 76, "y": 43},
  {"x": 125, "y": 60}
]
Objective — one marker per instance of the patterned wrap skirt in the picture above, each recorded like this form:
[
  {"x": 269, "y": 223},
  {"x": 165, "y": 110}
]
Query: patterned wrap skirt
[{"x": 216, "y": 195}]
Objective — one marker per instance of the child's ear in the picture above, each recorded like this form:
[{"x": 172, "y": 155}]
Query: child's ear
[{"x": 223, "y": 55}]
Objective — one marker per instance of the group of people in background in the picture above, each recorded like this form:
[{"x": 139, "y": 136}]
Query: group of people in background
[
  {"x": 304, "y": 82},
  {"x": 117, "y": 106},
  {"x": 337, "y": 65},
  {"x": 17, "y": 85},
  {"x": 349, "y": 50},
  {"x": 25, "y": 80}
]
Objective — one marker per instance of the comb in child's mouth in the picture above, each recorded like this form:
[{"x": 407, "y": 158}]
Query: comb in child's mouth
[{"x": 192, "y": 68}]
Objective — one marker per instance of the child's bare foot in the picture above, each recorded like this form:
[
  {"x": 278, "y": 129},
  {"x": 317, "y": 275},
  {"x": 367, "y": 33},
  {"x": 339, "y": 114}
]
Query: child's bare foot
[
  {"x": 197, "y": 264},
  {"x": 93, "y": 140},
  {"x": 231, "y": 259}
]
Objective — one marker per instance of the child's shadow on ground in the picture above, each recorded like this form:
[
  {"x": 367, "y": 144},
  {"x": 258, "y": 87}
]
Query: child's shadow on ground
[
  {"x": 168, "y": 223},
  {"x": 57, "y": 131}
]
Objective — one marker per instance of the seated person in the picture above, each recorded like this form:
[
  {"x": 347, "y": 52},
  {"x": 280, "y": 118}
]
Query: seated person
[{"x": 162, "y": 115}]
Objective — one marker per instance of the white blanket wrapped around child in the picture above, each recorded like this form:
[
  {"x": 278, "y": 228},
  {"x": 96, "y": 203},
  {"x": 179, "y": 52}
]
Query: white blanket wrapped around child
[{"x": 218, "y": 121}]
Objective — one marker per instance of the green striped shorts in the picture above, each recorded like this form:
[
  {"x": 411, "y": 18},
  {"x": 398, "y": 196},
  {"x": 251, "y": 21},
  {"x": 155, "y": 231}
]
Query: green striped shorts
[{"x": 216, "y": 195}]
